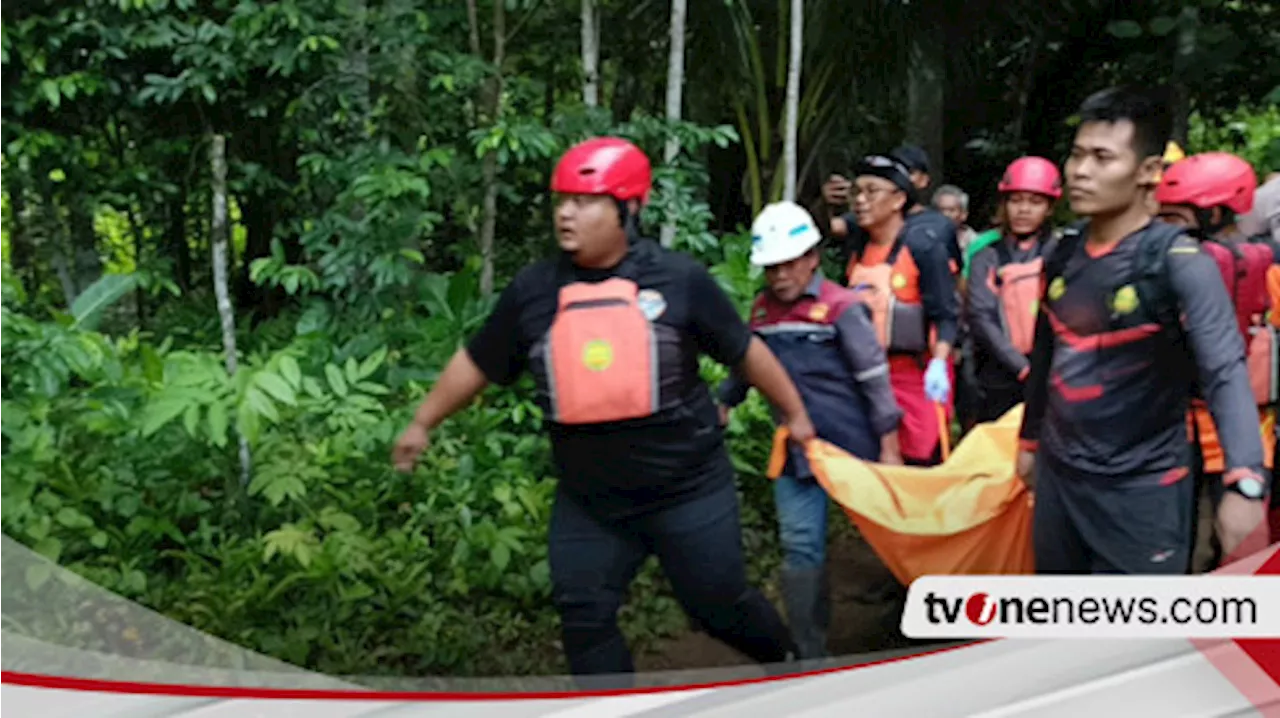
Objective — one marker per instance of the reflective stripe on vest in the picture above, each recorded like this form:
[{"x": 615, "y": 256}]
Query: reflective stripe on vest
[
  {"x": 796, "y": 328},
  {"x": 601, "y": 355}
]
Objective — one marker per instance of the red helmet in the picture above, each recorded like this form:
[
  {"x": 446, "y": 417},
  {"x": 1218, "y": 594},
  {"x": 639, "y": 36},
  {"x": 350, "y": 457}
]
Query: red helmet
[
  {"x": 1032, "y": 174},
  {"x": 1209, "y": 180},
  {"x": 604, "y": 165}
]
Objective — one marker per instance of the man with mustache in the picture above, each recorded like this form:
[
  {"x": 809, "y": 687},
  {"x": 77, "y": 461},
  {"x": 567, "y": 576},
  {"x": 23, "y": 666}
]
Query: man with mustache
[
  {"x": 822, "y": 335},
  {"x": 904, "y": 277}
]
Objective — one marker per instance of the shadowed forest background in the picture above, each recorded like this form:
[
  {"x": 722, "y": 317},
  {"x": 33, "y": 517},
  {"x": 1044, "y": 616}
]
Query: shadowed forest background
[{"x": 241, "y": 238}]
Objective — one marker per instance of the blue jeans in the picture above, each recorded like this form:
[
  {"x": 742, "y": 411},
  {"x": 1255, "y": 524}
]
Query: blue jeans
[
  {"x": 699, "y": 545},
  {"x": 802, "y": 521}
]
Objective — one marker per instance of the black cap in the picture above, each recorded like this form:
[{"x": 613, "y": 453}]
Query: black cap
[
  {"x": 890, "y": 168},
  {"x": 915, "y": 158}
]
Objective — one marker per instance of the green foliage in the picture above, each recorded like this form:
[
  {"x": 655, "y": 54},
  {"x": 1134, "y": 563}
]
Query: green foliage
[
  {"x": 360, "y": 143},
  {"x": 1251, "y": 133},
  {"x": 119, "y": 457}
]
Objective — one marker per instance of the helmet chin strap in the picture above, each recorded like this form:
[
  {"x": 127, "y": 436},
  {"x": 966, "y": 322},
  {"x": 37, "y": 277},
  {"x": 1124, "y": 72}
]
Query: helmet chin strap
[{"x": 630, "y": 222}]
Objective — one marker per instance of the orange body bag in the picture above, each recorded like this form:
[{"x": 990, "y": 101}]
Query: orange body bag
[{"x": 601, "y": 355}]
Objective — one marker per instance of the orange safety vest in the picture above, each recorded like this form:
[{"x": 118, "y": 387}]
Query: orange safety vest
[
  {"x": 1245, "y": 268},
  {"x": 601, "y": 355},
  {"x": 891, "y": 290},
  {"x": 1017, "y": 285},
  {"x": 1262, "y": 361},
  {"x": 1200, "y": 425}
]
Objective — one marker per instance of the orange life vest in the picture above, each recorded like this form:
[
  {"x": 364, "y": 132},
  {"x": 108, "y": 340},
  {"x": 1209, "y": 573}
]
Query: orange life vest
[
  {"x": 1245, "y": 267},
  {"x": 1017, "y": 285},
  {"x": 601, "y": 355},
  {"x": 1263, "y": 362},
  {"x": 891, "y": 290},
  {"x": 1200, "y": 427},
  {"x": 1261, "y": 357}
]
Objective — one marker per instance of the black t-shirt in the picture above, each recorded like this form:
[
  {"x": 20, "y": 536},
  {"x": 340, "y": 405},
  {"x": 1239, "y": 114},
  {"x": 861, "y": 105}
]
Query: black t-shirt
[
  {"x": 626, "y": 468},
  {"x": 1108, "y": 391}
]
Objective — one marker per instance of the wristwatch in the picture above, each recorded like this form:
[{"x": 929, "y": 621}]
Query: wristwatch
[{"x": 1250, "y": 487}]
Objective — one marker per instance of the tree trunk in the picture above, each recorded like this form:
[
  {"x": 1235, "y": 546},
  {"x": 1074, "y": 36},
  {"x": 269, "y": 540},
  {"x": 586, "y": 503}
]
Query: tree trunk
[
  {"x": 675, "y": 93},
  {"x": 220, "y": 232},
  {"x": 1024, "y": 85},
  {"x": 1183, "y": 64},
  {"x": 176, "y": 239},
  {"x": 491, "y": 101},
  {"x": 136, "y": 229},
  {"x": 590, "y": 54},
  {"x": 793, "y": 99},
  {"x": 21, "y": 250},
  {"x": 925, "y": 87},
  {"x": 86, "y": 264},
  {"x": 358, "y": 65}
]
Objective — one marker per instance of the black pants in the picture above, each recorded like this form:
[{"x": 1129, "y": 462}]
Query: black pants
[
  {"x": 968, "y": 392},
  {"x": 699, "y": 545},
  {"x": 1088, "y": 525},
  {"x": 1000, "y": 390}
]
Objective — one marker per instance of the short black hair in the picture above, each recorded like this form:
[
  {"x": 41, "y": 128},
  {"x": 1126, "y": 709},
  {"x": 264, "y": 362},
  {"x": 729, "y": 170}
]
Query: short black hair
[{"x": 1149, "y": 110}]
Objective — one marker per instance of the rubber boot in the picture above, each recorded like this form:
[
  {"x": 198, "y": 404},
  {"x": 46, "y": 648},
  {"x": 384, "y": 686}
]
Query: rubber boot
[{"x": 805, "y": 594}]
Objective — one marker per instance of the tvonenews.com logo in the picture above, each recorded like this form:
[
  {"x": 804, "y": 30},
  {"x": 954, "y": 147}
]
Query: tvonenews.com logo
[
  {"x": 1099, "y": 606},
  {"x": 981, "y": 609}
]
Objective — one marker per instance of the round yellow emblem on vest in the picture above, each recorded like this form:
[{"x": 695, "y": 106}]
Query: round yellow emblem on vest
[
  {"x": 818, "y": 312},
  {"x": 1126, "y": 299},
  {"x": 1056, "y": 288},
  {"x": 597, "y": 355},
  {"x": 898, "y": 281}
]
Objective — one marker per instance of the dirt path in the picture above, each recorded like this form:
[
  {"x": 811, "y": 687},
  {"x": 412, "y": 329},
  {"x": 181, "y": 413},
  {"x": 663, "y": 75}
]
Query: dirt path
[{"x": 857, "y": 626}]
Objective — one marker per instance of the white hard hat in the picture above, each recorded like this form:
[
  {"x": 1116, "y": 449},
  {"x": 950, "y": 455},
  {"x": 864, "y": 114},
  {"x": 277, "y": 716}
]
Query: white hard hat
[{"x": 782, "y": 232}]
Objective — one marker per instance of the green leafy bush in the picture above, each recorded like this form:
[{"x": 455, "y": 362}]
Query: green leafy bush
[{"x": 120, "y": 463}]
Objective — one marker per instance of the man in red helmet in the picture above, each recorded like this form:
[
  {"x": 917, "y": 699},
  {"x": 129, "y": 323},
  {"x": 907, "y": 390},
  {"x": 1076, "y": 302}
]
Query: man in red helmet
[
  {"x": 1133, "y": 314},
  {"x": 1205, "y": 194},
  {"x": 1003, "y": 296},
  {"x": 611, "y": 331}
]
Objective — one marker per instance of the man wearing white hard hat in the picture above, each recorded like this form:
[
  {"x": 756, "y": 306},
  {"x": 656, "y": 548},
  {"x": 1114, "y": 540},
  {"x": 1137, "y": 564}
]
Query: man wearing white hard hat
[{"x": 824, "y": 338}]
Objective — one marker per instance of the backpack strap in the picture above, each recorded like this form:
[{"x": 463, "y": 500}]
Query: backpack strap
[
  {"x": 1070, "y": 238},
  {"x": 1151, "y": 278},
  {"x": 892, "y": 257},
  {"x": 1002, "y": 251}
]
